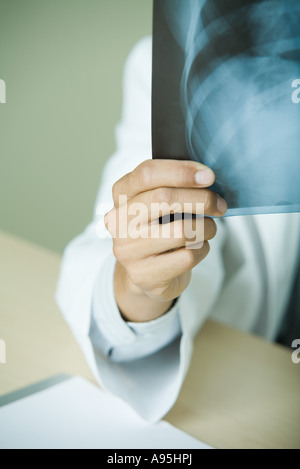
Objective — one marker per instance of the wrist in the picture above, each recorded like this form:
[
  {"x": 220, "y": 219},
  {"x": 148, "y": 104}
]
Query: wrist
[{"x": 133, "y": 303}]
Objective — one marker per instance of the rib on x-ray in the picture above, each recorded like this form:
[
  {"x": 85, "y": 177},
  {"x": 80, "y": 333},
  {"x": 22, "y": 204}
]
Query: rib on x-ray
[{"x": 224, "y": 76}]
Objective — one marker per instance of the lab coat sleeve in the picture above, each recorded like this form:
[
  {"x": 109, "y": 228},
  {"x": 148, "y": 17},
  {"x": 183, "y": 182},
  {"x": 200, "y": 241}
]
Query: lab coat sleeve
[
  {"x": 144, "y": 364},
  {"x": 123, "y": 341}
]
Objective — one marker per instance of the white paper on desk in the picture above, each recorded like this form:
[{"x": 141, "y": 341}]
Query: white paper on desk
[{"x": 76, "y": 414}]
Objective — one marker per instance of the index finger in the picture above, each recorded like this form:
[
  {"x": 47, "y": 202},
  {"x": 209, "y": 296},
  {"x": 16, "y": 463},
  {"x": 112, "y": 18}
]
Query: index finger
[{"x": 152, "y": 174}]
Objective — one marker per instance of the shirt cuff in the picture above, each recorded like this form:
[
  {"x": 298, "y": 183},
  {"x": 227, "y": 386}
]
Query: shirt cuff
[{"x": 121, "y": 340}]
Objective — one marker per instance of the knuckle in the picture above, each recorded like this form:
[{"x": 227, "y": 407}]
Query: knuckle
[
  {"x": 110, "y": 222},
  {"x": 145, "y": 174},
  {"x": 115, "y": 191},
  {"x": 208, "y": 201},
  {"x": 162, "y": 195},
  {"x": 118, "y": 251},
  {"x": 181, "y": 177},
  {"x": 135, "y": 275}
]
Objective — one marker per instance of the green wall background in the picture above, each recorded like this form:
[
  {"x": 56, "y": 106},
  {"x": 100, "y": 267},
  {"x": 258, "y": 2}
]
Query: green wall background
[{"x": 62, "y": 62}]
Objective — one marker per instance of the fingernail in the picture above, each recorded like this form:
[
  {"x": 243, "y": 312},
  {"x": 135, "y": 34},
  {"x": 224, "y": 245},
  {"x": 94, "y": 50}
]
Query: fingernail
[
  {"x": 221, "y": 205},
  {"x": 204, "y": 177}
]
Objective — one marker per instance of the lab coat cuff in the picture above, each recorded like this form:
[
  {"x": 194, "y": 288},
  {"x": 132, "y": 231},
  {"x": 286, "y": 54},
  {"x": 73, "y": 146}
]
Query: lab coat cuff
[
  {"x": 105, "y": 309},
  {"x": 167, "y": 321},
  {"x": 109, "y": 321}
]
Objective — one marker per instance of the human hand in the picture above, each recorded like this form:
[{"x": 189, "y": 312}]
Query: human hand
[{"x": 155, "y": 260}]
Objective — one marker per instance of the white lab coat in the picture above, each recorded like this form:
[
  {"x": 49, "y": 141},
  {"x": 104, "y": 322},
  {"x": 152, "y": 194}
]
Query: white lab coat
[{"x": 244, "y": 282}]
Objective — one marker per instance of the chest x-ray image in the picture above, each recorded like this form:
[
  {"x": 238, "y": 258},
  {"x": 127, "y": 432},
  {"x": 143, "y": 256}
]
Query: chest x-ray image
[{"x": 226, "y": 77}]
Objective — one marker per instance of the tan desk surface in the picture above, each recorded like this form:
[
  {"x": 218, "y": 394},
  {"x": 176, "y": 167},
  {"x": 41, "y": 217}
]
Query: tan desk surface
[{"x": 241, "y": 392}]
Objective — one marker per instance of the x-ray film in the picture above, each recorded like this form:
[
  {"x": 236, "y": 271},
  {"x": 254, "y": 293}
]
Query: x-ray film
[{"x": 226, "y": 93}]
